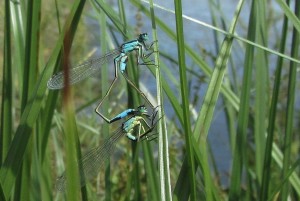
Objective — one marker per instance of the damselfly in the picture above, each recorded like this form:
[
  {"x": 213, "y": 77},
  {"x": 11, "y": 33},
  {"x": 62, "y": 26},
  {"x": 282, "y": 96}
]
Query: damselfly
[
  {"x": 120, "y": 55},
  {"x": 92, "y": 162}
]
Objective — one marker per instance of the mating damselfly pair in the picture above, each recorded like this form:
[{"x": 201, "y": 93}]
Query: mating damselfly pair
[
  {"x": 93, "y": 161},
  {"x": 120, "y": 59},
  {"x": 138, "y": 120}
]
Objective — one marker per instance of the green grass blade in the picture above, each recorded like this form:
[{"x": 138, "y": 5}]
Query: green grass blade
[
  {"x": 18, "y": 21},
  {"x": 22, "y": 187},
  {"x": 31, "y": 50},
  {"x": 46, "y": 122},
  {"x": 2, "y": 197},
  {"x": 205, "y": 117},
  {"x": 266, "y": 177},
  {"x": 150, "y": 168},
  {"x": 239, "y": 146},
  {"x": 104, "y": 87},
  {"x": 284, "y": 180},
  {"x": 71, "y": 142},
  {"x": 288, "y": 137},
  {"x": 164, "y": 164},
  {"x": 185, "y": 95},
  {"x": 6, "y": 103},
  {"x": 215, "y": 84},
  {"x": 201, "y": 156},
  {"x": 71, "y": 145},
  {"x": 290, "y": 15},
  {"x": 15, "y": 155},
  {"x": 278, "y": 158},
  {"x": 261, "y": 88}
]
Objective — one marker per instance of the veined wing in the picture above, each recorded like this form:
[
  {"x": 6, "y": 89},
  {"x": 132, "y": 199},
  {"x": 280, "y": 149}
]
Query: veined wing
[
  {"x": 81, "y": 71},
  {"x": 92, "y": 162}
]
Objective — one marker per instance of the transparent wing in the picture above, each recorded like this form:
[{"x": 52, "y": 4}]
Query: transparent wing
[
  {"x": 92, "y": 162},
  {"x": 81, "y": 71}
]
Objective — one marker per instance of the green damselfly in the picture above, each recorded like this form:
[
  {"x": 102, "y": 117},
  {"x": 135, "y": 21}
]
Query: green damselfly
[
  {"x": 92, "y": 66},
  {"x": 93, "y": 161}
]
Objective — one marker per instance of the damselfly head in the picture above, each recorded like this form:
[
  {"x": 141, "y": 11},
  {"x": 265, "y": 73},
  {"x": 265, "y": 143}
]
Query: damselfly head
[
  {"x": 143, "y": 37},
  {"x": 143, "y": 110}
]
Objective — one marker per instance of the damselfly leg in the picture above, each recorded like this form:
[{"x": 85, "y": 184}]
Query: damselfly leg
[{"x": 120, "y": 62}]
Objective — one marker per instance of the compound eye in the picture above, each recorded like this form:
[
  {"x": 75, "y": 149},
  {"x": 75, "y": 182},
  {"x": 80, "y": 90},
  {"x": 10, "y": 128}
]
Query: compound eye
[
  {"x": 145, "y": 35},
  {"x": 143, "y": 109}
]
